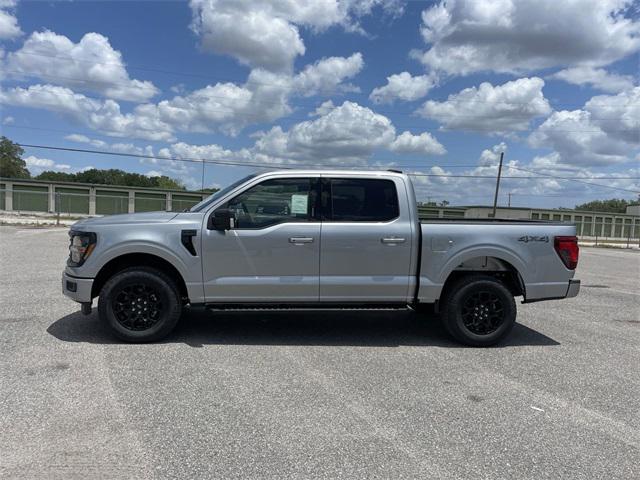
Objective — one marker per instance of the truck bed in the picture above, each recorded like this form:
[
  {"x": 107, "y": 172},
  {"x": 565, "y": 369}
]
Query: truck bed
[{"x": 524, "y": 247}]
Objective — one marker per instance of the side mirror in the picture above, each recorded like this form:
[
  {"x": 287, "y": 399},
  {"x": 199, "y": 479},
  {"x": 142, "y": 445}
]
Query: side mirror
[{"x": 222, "y": 219}]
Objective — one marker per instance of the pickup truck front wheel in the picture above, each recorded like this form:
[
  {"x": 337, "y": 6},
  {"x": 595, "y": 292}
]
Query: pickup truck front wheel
[
  {"x": 140, "y": 304},
  {"x": 479, "y": 311}
]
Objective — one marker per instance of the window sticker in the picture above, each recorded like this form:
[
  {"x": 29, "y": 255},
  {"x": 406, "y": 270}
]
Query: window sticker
[{"x": 299, "y": 204}]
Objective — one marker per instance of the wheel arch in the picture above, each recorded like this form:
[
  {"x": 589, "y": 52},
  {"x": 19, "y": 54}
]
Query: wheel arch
[
  {"x": 139, "y": 259},
  {"x": 488, "y": 265}
]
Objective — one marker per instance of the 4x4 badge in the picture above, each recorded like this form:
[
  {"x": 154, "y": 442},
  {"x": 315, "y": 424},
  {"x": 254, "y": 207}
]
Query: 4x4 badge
[{"x": 534, "y": 238}]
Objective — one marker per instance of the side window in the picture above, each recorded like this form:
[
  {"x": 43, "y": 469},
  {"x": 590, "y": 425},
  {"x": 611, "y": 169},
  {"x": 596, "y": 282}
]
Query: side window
[
  {"x": 361, "y": 200},
  {"x": 274, "y": 201}
]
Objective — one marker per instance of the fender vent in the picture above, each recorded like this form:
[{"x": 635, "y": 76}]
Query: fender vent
[{"x": 186, "y": 238}]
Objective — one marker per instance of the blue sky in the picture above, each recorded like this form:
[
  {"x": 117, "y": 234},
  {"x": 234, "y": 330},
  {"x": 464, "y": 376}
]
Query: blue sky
[{"x": 438, "y": 89}]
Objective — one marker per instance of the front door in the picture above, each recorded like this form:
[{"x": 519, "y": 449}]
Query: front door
[
  {"x": 366, "y": 241},
  {"x": 272, "y": 254}
]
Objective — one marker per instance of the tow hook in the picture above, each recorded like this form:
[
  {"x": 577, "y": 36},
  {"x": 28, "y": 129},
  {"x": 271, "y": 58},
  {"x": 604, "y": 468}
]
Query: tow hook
[{"x": 85, "y": 308}]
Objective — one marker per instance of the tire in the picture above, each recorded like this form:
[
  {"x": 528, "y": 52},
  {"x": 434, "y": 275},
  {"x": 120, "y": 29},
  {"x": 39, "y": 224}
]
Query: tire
[
  {"x": 479, "y": 311},
  {"x": 140, "y": 304}
]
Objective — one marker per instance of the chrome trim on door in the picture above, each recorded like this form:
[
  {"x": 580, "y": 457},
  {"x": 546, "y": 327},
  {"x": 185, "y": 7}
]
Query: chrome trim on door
[
  {"x": 393, "y": 240},
  {"x": 300, "y": 240}
]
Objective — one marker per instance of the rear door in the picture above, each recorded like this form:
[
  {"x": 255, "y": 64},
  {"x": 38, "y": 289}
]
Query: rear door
[{"x": 366, "y": 240}]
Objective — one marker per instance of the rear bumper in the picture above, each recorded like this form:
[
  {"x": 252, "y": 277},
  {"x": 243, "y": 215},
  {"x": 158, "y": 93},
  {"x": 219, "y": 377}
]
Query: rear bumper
[
  {"x": 539, "y": 292},
  {"x": 77, "y": 289},
  {"x": 574, "y": 288}
]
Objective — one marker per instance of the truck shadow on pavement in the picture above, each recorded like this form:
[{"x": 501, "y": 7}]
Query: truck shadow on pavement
[{"x": 198, "y": 328}]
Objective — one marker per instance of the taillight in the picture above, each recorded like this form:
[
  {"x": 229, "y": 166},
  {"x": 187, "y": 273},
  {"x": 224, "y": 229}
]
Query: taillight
[{"x": 567, "y": 249}]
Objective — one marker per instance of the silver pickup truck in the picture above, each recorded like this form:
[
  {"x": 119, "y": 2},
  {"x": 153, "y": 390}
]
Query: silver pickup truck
[{"x": 316, "y": 239}]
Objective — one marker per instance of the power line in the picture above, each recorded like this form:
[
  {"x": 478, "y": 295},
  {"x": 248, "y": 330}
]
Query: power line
[
  {"x": 298, "y": 165},
  {"x": 574, "y": 180},
  {"x": 391, "y": 162}
]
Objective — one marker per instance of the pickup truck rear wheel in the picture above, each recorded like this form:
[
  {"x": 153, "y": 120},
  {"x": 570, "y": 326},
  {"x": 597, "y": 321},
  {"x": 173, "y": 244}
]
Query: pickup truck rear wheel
[
  {"x": 140, "y": 304},
  {"x": 479, "y": 311}
]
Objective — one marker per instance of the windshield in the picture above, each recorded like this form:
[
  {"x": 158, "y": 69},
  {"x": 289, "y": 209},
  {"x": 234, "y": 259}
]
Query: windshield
[{"x": 219, "y": 194}]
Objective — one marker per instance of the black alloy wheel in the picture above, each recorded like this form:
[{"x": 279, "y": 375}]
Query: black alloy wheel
[
  {"x": 140, "y": 304},
  {"x": 482, "y": 312},
  {"x": 137, "y": 307},
  {"x": 478, "y": 310}
]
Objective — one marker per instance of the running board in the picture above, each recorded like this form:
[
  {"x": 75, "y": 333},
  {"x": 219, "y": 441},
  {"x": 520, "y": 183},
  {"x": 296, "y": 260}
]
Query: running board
[{"x": 289, "y": 308}]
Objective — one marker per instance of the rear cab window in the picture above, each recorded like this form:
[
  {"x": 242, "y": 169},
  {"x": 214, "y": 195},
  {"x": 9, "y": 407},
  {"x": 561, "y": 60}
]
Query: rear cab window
[{"x": 359, "y": 200}]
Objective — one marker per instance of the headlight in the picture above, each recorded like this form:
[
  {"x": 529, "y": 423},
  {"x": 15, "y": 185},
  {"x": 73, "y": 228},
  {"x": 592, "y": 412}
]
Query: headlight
[{"x": 80, "y": 247}]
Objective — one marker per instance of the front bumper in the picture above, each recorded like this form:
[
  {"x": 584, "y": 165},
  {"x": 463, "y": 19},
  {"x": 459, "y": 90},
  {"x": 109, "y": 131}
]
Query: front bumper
[
  {"x": 574, "y": 288},
  {"x": 77, "y": 289}
]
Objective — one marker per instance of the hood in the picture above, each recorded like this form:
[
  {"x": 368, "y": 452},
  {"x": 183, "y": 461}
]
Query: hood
[{"x": 128, "y": 219}]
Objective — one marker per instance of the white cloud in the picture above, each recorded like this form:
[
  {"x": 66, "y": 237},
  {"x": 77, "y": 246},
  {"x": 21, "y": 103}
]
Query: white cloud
[
  {"x": 323, "y": 109},
  {"x": 204, "y": 152},
  {"x": 76, "y": 137},
  {"x": 618, "y": 115},
  {"x": 32, "y": 161},
  {"x": 266, "y": 34},
  {"x": 326, "y": 75},
  {"x": 503, "y": 108},
  {"x": 515, "y": 36},
  {"x": 91, "y": 64},
  {"x": 348, "y": 132},
  {"x": 345, "y": 135},
  {"x": 225, "y": 107},
  {"x": 578, "y": 140},
  {"x": 491, "y": 156},
  {"x": 9, "y": 27},
  {"x": 403, "y": 86},
  {"x": 604, "y": 132},
  {"x": 530, "y": 187},
  {"x": 424, "y": 143},
  {"x": 597, "y": 77},
  {"x": 114, "y": 147},
  {"x": 229, "y": 107},
  {"x": 37, "y": 165},
  {"x": 103, "y": 116}
]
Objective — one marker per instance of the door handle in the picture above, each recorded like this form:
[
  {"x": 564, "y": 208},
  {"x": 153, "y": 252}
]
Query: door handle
[
  {"x": 300, "y": 240},
  {"x": 393, "y": 240}
]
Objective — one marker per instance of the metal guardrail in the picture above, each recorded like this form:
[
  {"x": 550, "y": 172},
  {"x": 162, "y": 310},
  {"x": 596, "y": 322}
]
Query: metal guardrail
[{"x": 67, "y": 203}]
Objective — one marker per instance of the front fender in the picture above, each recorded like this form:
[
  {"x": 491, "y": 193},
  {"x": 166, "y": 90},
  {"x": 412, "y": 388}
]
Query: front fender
[{"x": 142, "y": 247}]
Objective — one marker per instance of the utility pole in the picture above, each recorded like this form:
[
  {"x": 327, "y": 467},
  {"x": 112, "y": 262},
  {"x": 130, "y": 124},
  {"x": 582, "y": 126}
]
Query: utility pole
[
  {"x": 509, "y": 200},
  {"x": 495, "y": 198}
]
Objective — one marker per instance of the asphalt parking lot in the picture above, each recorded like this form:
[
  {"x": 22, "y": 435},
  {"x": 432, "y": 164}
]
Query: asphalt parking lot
[{"x": 322, "y": 395}]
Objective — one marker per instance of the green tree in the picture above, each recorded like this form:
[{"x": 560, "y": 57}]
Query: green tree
[
  {"x": 113, "y": 176},
  {"x": 11, "y": 163},
  {"x": 168, "y": 183},
  {"x": 56, "y": 176},
  {"x": 613, "y": 205}
]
